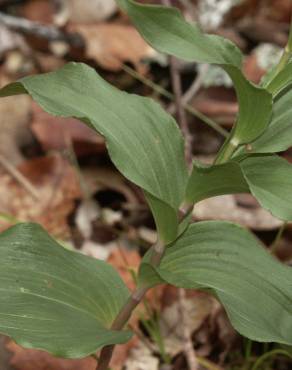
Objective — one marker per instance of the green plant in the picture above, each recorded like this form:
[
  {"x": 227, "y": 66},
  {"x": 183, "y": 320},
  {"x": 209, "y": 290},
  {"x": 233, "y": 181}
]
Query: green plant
[{"x": 44, "y": 303}]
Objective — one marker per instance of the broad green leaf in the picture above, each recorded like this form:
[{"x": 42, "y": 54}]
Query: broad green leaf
[
  {"x": 278, "y": 136},
  {"x": 56, "y": 300},
  {"x": 255, "y": 289},
  {"x": 211, "y": 181},
  {"x": 143, "y": 141},
  {"x": 267, "y": 177},
  {"x": 165, "y": 29},
  {"x": 166, "y": 218},
  {"x": 255, "y": 109},
  {"x": 281, "y": 80},
  {"x": 270, "y": 181}
]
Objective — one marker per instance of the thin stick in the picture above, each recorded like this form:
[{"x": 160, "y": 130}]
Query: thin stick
[
  {"x": 182, "y": 119},
  {"x": 163, "y": 92},
  {"x": 193, "y": 89},
  {"x": 189, "y": 351},
  {"x": 180, "y": 111},
  {"x": 181, "y": 114},
  {"x": 50, "y": 33},
  {"x": 17, "y": 175}
]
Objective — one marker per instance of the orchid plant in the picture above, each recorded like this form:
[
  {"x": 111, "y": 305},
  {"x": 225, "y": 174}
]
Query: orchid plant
[{"x": 44, "y": 304}]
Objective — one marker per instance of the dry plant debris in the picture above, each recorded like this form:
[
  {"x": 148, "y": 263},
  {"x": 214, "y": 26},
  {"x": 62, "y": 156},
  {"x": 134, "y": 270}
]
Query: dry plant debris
[
  {"x": 57, "y": 186},
  {"x": 110, "y": 41}
]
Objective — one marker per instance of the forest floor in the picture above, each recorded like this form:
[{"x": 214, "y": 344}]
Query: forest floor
[{"x": 57, "y": 172}]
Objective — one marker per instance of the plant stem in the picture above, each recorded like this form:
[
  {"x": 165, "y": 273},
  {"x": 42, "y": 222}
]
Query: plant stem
[
  {"x": 248, "y": 348},
  {"x": 120, "y": 321},
  {"x": 137, "y": 296},
  {"x": 9, "y": 218},
  {"x": 267, "y": 355},
  {"x": 124, "y": 315},
  {"x": 274, "y": 245},
  {"x": 225, "y": 152},
  {"x": 229, "y": 147},
  {"x": 158, "y": 252},
  {"x": 153, "y": 330},
  {"x": 208, "y": 365},
  {"x": 159, "y": 248},
  {"x": 287, "y": 53}
]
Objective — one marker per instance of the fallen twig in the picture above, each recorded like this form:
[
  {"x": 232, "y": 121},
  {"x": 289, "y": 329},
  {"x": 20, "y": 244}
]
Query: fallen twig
[
  {"x": 180, "y": 111},
  {"x": 193, "y": 89},
  {"x": 14, "y": 172},
  {"x": 49, "y": 33}
]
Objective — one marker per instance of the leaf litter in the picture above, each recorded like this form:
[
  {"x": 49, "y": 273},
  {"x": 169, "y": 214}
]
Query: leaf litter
[{"x": 110, "y": 42}]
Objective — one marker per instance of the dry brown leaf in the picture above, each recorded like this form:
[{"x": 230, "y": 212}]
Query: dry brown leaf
[
  {"x": 57, "y": 186},
  {"x": 251, "y": 68},
  {"x": 112, "y": 44},
  {"x": 55, "y": 133},
  {"x": 14, "y": 125},
  {"x": 198, "y": 306},
  {"x": 227, "y": 208},
  {"x": 4, "y": 354},
  {"x": 217, "y": 102},
  {"x": 40, "y": 11},
  {"x": 48, "y": 62},
  {"x": 279, "y": 10},
  {"x": 90, "y": 11},
  {"x": 121, "y": 354},
  {"x": 141, "y": 358},
  {"x": 124, "y": 260},
  {"x": 103, "y": 178},
  {"x": 245, "y": 8},
  {"x": 283, "y": 248},
  {"x": 29, "y": 359},
  {"x": 261, "y": 29}
]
